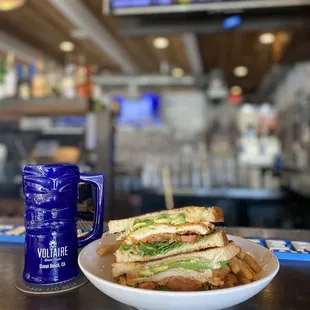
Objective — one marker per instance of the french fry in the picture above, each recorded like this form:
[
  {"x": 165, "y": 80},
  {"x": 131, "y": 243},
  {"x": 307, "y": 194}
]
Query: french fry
[
  {"x": 244, "y": 270},
  {"x": 108, "y": 249},
  {"x": 255, "y": 276},
  {"x": 241, "y": 255},
  {"x": 252, "y": 263},
  {"x": 243, "y": 279},
  {"x": 234, "y": 267},
  {"x": 122, "y": 280}
]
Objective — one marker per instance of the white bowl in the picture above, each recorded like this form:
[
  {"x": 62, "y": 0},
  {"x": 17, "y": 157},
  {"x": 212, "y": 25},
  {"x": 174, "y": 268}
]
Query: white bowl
[{"x": 98, "y": 271}]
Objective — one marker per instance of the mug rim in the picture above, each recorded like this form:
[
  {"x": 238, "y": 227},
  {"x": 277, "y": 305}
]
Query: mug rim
[{"x": 51, "y": 165}]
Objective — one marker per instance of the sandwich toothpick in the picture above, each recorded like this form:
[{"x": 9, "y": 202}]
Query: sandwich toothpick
[{"x": 166, "y": 174}]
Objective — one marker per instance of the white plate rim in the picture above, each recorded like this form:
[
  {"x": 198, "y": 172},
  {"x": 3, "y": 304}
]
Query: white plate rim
[{"x": 209, "y": 292}]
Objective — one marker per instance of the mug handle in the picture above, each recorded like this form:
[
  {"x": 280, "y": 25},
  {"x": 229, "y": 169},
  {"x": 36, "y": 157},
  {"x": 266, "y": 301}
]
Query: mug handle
[{"x": 98, "y": 181}]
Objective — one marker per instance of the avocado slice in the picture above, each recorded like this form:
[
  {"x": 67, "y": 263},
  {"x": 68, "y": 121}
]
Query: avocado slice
[
  {"x": 164, "y": 216},
  {"x": 146, "y": 272},
  {"x": 158, "y": 269},
  {"x": 183, "y": 264},
  {"x": 191, "y": 264},
  {"x": 144, "y": 223},
  {"x": 138, "y": 225},
  {"x": 179, "y": 219},
  {"x": 163, "y": 221}
]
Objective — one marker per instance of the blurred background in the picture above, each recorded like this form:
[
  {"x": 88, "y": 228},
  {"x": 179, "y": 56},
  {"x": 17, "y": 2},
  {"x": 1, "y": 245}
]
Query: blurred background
[{"x": 176, "y": 102}]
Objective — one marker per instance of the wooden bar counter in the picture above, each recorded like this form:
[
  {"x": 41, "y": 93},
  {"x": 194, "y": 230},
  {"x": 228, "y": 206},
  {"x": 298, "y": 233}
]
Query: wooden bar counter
[{"x": 289, "y": 290}]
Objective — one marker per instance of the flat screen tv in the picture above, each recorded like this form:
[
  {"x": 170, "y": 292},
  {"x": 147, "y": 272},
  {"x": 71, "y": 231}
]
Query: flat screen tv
[
  {"x": 144, "y": 7},
  {"x": 141, "y": 111}
]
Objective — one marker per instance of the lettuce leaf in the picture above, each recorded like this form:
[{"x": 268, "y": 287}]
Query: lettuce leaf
[
  {"x": 125, "y": 247},
  {"x": 152, "y": 249}
]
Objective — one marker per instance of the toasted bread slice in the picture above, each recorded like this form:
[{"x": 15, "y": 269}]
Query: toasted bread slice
[
  {"x": 192, "y": 214},
  {"x": 215, "y": 239}
]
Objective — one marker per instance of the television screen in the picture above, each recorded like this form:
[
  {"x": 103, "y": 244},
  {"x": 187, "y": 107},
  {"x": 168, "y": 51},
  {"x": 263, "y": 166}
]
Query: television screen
[
  {"x": 140, "y": 7},
  {"x": 139, "y": 111}
]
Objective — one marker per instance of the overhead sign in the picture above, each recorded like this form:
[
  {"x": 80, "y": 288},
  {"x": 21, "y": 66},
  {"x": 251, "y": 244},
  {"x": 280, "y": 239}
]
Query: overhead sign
[{"x": 142, "y": 7}]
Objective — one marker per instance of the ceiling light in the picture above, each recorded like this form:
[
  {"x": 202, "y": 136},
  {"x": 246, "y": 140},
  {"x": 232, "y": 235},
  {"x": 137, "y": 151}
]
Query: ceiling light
[
  {"x": 161, "y": 43},
  {"x": 266, "y": 38},
  {"x": 241, "y": 71},
  {"x": 236, "y": 90},
  {"x": 7, "y": 5},
  {"x": 177, "y": 72},
  {"x": 66, "y": 46}
]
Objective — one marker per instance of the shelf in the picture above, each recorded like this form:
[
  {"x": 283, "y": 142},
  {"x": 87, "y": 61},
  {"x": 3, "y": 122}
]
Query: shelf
[
  {"x": 63, "y": 131},
  {"x": 12, "y": 110},
  {"x": 248, "y": 194}
]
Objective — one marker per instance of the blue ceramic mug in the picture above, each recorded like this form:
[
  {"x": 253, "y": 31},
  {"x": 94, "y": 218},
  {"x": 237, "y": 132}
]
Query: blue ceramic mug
[{"x": 51, "y": 242}]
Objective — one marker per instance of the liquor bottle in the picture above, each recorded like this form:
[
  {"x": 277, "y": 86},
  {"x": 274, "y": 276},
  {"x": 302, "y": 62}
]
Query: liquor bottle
[
  {"x": 96, "y": 89},
  {"x": 24, "y": 85},
  {"x": 68, "y": 80},
  {"x": 82, "y": 80},
  {"x": 10, "y": 80},
  {"x": 39, "y": 84},
  {"x": 2, "y": 78},
  {"x": 53, "y": 77}
]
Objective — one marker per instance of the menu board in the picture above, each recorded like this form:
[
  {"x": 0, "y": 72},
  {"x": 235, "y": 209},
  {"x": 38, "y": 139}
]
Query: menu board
[{"x": 140, "y": 7}]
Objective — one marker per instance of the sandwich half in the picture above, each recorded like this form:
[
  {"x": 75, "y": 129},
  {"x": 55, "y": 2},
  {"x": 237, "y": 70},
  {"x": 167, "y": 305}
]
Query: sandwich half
[
  {"x": 174, "y": 244},
  {"x": 162, "y": 234},
  {"x": 185, "y": 272}
]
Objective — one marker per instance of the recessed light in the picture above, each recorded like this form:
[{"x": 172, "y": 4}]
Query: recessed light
[
  {"x": 241, "y": 71},
  {"x": 177, "y": 72},
  {"x": 267, "y": 38},
  {"x": 8, "y": 5},
  {"x": 161, "y": 43},
  {"x": 236, "y": 90},
  {"x": 66, "y": 46}
]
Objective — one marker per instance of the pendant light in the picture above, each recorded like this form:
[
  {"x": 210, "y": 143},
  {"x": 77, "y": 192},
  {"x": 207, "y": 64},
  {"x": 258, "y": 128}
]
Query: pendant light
[{"x": 8, "y": 5}]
